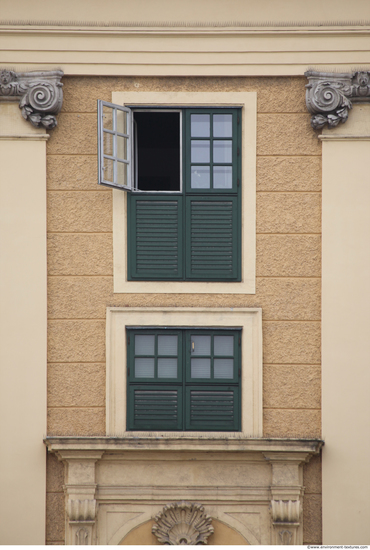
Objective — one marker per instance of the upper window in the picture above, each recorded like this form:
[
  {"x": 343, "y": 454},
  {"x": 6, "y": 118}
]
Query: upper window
[
  {"x": 183, "y": 379},
  {"x": 183, "y": 167}
]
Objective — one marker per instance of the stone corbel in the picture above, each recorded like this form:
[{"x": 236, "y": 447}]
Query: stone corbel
[
  {"x": 329, "y": 96},
  {"x": 286, "y": 496},
  {"x": 39, "y": 94},
  {"x": 286, "y": 521},
  {"x": 81, "y": 519},
  {"x": 80, "y": 488}
]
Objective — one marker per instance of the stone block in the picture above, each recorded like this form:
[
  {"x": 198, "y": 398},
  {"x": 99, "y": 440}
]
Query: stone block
[
  {"x": 280, "y": 95},
  {"x": 75, "y": 341},
  {"x": 76, "y": 134},
  {"x": 73, "y": 173},
  {"x": 79, "y": 254},
  {"x": 288, "y": 212},
  {"x": 312, "y": 531},
  {"x": 79, "y": 211},
  {"x": 288, "y": 256},
  {"x": 291, "y": 387},
  {"x": 286, "y": 134},
  {"x": 79, "y": 297},
  {"x": 55, "y": 517},
  {"x": 76, "y": 421},
  {"x": 54, "y": 474},
  {"x": 312, "y": 476},
  {"x": 76, "y": 385},
  {"x": 292, "y": 342},
  {"x": 299, "y": 423},
  {"x": 289, "y": 173},
  {"x": 287, "y": 298}
]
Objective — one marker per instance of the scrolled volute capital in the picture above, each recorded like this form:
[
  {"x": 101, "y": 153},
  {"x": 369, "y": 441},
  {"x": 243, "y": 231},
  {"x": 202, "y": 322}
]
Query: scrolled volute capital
[
  {"x": 39, "y": 93},
  {"x": 182, "y": 523},
  {"x": 329, "y": 96}
]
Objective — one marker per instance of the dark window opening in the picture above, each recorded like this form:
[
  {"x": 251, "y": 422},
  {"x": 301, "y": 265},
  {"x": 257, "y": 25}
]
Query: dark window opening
[{"x": 157, "y": 151}]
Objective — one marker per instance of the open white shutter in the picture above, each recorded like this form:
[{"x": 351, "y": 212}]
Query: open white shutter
[{"x": 114, "y": 145}]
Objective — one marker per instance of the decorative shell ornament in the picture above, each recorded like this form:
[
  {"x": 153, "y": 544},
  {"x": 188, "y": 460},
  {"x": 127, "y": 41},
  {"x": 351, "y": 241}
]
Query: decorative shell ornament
[{"x": 183, "y": 523}]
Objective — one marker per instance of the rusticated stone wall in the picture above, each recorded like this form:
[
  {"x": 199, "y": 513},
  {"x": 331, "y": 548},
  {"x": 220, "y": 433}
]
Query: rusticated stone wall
[{"x": 80, "y": 268}]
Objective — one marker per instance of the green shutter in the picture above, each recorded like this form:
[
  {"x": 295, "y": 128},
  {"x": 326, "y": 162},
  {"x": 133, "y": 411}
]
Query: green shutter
[
  {"x": 155, "y": 235},
  {"x": 212, "y": 228},
  {"x": 155, "y": 408},
  {"x": 212, "y": 408}
]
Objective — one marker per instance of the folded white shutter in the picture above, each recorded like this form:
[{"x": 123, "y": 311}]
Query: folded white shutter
[{"x": 114, "y": 145}]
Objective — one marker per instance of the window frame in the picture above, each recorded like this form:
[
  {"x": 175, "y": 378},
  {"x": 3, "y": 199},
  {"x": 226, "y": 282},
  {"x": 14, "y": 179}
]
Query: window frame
[
  {"x": 184, "y": 383},
  {"x": 247, "y": 320},
  {"x": 247, "y": 101},
  {"x": 189, "y": 265}
]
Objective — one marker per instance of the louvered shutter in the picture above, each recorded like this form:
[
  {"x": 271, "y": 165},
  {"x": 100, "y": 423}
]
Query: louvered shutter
[
  {"x": 212, "y": 408},
  {"x": 156, "y": 236},
  {"x": 212, "y": 238},
  {"x": 155, "y": 408}
]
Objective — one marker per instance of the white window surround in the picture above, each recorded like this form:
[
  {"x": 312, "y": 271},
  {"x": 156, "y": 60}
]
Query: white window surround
[
  {"x": 248, "y": 103},
  {"x": 249, "y": 320}
]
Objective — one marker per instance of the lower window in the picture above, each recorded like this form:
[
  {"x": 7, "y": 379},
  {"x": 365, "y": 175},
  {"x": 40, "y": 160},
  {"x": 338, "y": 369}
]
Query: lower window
[{"x": 183, "y": 379}]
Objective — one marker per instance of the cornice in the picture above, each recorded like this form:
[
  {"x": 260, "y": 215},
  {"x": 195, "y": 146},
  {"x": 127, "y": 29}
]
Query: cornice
[
  {"x": 321, "y": 25},
  {"x": 329, "y": 96},
  {"x": 177, "y": 28},
  {"x": 39, "y": 94}
]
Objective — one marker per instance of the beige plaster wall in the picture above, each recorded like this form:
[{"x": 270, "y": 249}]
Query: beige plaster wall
[
  {"x": 80, "y": 263},
  {"x": 193, "y": 10}
]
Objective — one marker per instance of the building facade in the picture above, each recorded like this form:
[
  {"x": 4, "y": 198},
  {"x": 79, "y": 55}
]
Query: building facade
[{"x": 184, "y": 356}]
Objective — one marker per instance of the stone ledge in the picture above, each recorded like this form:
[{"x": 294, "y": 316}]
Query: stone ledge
[{"x": 233, "y": 442}]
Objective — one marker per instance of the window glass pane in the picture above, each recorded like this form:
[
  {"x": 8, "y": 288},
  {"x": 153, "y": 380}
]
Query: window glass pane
[
  {"x": 108, "y": 170},
  {"x": 122, "y": 173},
  {"x": 121, "y": 122},
  {"x": 122, "y": 147},
  {"x": 222, "y": 151},
  {"x": 200, "y": 125},
  {"x": 200, "y": 345},
  {"x": 167, "y": 368},
  {"x": 107, "y": 118},
  {"x": 224, "y": 345},
  {"x": 200, "y": 150},
  {"x": 200, "y": 177},
  {"x": 222, "y": 125},
  {"x": 223, "y": 368},
  {"x": 201, "y": 368},
  {"x": 144, "y": 344},
  {"x": 167, "y": 345},
  {"x": 108, "y": 144},
  {"x": 144, "y": 367},
  {"x": 222, "y": 177}
]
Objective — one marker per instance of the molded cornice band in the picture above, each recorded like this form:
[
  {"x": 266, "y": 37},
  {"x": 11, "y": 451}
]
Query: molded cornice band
[
  {"x": 39, "y": 93},
  {"x": 329, "y": 96}
]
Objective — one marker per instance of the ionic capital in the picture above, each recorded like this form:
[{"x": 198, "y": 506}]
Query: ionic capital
[
  {"x": 39, "y": 94},
  {"x": 329, "y": 96}
]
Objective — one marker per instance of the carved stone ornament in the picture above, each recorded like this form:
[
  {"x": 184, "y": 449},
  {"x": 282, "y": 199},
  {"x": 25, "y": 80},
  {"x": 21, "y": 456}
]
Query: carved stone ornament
[
  {"x": 81, "y": 510},
  {"x": 40, "y": 94},
  {"x": 285, "y": 511},
  {"x": 329, "y": 96},
  {"x": 183, "y": 523}
]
